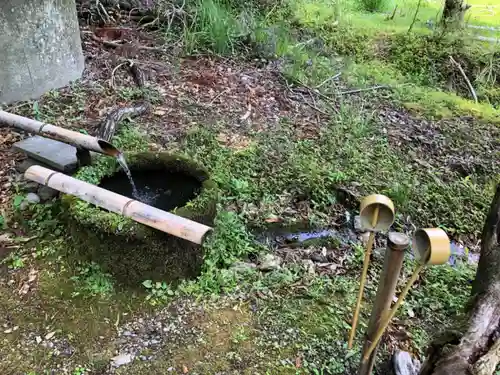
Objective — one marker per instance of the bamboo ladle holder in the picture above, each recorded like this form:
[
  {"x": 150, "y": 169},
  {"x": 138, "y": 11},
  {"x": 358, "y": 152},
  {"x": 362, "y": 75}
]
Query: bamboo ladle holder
[
  {"x": 377, "y": 214},
  {"x": 432, "y": 247}
]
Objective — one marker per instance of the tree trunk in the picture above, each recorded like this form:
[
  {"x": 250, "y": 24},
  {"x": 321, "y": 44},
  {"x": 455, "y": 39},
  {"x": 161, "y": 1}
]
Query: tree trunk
[
  {"x": 453, "y": 13},
  {"x": 474, "y": 349}
]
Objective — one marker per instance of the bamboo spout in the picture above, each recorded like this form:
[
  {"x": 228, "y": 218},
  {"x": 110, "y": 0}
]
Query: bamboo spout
[
  {"x": 82, "y": 141},
  {"x": 137, "y": 211}
]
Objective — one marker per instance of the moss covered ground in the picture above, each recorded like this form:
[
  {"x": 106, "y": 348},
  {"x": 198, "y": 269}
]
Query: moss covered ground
[{"x": 287, "y": 147}]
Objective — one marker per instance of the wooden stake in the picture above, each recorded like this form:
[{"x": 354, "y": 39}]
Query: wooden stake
[{"x": 366, "y": 262}]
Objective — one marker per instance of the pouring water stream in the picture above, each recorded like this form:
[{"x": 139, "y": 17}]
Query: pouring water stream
[{"x": 121, "y": 160}]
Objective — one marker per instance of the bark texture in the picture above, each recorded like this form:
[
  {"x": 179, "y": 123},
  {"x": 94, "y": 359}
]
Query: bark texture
[
  {"x": 474, "y": 346},
  {"x": 453, "y": 13}
]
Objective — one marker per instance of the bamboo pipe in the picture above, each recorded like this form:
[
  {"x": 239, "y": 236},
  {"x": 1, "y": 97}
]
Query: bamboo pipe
[
  {"x": 137, "y": 211},
  {"x": 432, "y": 247},
  {"x": 77, "y": 139},
  {"x": 393, "y": 262},
  {"x": 376, "y": 212},
  {"x": 392, "y": 312}
]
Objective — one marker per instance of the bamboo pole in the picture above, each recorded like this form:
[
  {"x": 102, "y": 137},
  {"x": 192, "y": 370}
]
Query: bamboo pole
[
  {"x": 366, "y": 263},
  {"x": 81, "y": 141},
  {"x": 388, "y": 317},
  {"x": 432, "y": 247},
  {"x": 393, "y": 262},
  {"x": 137, "y": 211}
]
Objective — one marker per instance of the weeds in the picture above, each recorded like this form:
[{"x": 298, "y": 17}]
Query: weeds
[
  {"x": 90, "y": 281},
  {"x": 158, "y": 292}
]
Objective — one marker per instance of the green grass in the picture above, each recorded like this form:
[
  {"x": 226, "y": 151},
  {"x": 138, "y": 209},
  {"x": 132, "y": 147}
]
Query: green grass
[{"x": 287, "y": 317}]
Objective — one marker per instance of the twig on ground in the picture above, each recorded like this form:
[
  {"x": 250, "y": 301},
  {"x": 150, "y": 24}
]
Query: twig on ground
[
  {"x": 313, "y": 106},
  {"x": 217, "y": 96},
  {"x": 112, "y": 80},
  {"x": 310, "y": 90},
  {"x": 115, "y": 44},
  {"x": 364, "y": 89},
  {"x": 467, "y": 81},
  {"x": 328, "y": 80}
]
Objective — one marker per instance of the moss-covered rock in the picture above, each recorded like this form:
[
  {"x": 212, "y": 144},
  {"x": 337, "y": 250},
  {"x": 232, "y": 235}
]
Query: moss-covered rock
[{"x": 130, "y": 251}]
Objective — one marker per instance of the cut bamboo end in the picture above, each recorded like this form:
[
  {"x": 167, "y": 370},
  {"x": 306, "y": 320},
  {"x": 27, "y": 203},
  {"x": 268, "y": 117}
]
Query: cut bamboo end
[
  {"x": 432, "y": 246},
  {"x": 369, "y": 207},
  {"x": 77, "y": 139},
  {"x": 137, "y": 211}
]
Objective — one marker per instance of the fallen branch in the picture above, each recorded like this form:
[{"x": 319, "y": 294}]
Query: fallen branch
[
  {"x": 328, "y": 80},
  {"x": 310, "y": 91},
  {"x": 110, "y": 125},
  {"x": 469, "y": 85},
  {"x": 364, "y": 89},
  {"x": 110, "y": 44}
]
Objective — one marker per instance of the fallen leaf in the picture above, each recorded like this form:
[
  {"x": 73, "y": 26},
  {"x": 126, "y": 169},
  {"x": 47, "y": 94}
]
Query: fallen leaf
[
  {"x": 298, "y": 362},
  {"x": 38, "y": 339},
  {"x": 24, "y": 289},
  {"x": 159, "y": 112},
  {"x": 49, "y": 335},
  {"x": 272, "y": 219},
  {"x": 32, "y": 275},
  {"x": 8, "y": 330}
]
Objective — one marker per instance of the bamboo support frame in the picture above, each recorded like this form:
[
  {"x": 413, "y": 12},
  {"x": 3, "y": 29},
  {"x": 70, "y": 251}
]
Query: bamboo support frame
[
  {"x": 366, "y": 262},
  {"x": 388, "y": 317},
  {"x": 79, "y": 140},
  {"x": 432, "y": 247},
  {"x": 393, "y": 262},
  {"x": 137, "y": 211}
]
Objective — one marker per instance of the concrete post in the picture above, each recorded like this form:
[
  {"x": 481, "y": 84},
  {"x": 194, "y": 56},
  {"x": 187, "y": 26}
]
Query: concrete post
[{"x": 40, "y": 47}]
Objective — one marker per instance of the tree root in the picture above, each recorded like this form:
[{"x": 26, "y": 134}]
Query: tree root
[{"x": 487, "y": 364}]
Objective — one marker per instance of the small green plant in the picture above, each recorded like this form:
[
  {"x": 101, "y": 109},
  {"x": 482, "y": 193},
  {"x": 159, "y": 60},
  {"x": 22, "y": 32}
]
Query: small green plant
[
  {"x": 14, "y": 261},
  {"x": 158, "y": 292},
  {"x": 91, "y": 281},
  {"x": 18, "y": 200},
  {"x": 79, "y": 370}
]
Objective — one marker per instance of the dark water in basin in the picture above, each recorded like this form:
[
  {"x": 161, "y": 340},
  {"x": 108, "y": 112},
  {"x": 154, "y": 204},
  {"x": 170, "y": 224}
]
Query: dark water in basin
[{"x": 159, "y": 188}]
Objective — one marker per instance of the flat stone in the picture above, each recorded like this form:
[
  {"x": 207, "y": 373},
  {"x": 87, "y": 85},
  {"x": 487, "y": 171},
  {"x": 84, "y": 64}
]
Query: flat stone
[
  {"x": 121, "y": 359},
  {"x": 57, "y": 155}
]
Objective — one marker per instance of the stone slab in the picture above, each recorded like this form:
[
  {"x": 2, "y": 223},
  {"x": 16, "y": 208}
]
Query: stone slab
[
  {"x": 40, "y": 47},
  {"x": 57, "y": 155}
]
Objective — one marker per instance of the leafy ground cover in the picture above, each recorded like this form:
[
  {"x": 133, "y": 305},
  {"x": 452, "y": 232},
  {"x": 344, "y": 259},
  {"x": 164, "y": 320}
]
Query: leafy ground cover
[{"x": 288, "y": 145}]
